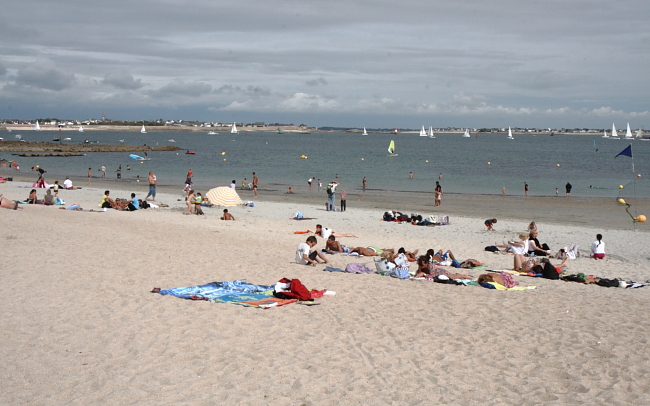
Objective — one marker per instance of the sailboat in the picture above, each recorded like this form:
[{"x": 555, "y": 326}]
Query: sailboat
[
  {"x": 423, "y": 132},
  {"x": 143, "y": 131},
  {"x": 394, "y": 131},
  {"x": 391, "y": 148},
  {"x": 510, "y": 137},
  {"x": 628, "y": 133},
  {"x": 234, "y": 129},
  {"x": 614, "y": 135},
  {"x": 81, "y": 129},
  {"x": 37, "y": 127},
  {"x": 67, "y": 139},
  {"x": 280, "y": 130},
  {"x": 639, "y": 133},
  {"x": 466, "y": 134},
  {"x": 605, "y": 134},
  {"x": 431, "y": 132},
  {"x": 212, "y": 133},
  {"x": 364, "y": 131}
]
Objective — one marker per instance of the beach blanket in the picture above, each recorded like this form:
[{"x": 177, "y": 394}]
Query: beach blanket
[
  {"x": 303, "y": 218},
  {"x": 214, "y": 290},
  {"x": 263, "y": 300}
]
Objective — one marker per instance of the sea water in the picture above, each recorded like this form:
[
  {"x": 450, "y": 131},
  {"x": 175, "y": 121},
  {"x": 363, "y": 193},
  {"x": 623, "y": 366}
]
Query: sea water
[{"x": 482, "y": 165}]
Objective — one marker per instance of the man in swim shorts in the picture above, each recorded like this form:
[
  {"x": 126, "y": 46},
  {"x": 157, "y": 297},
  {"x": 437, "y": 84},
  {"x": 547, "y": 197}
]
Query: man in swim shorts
[{"x": 152, "y": 186}]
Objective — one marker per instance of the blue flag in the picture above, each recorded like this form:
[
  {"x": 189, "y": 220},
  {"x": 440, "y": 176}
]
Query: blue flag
[{"x": 627, "y": 152}]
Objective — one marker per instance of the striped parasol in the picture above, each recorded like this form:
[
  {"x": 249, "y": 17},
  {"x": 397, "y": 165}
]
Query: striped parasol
[{"x": 223, "y": 196}]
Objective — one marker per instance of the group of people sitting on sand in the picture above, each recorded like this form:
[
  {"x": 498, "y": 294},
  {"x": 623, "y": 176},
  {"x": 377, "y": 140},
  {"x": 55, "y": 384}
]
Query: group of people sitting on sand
[{"x": 131, "y": 204}]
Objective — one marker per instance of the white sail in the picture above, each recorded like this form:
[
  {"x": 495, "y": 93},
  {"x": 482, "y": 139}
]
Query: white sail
[
  {"x": 628, "y": 133},
  {"x": 37, "y": 127},
  {"x": 431, "y": 132},
  {"x": 510, "y": 137},
  {"x": 466, "y": 134},
  {"x": 605, "y": 134},
  {"x": 614, "y": 133},
  {"x": 234, "y": 129},
  {"x": 639, "y": 133},
  {"x": 364, "y": 131},
  {"x": 81, "y": 129},
  {"x": 423, "y": 132},
  {"x": 143, "y": 131}
]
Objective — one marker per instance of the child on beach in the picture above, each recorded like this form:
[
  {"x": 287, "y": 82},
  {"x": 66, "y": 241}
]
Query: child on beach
[
  {"x": 227, "y": 216},
  {"x": 598, "y": 248},
  {"x": 489, "y": 224},
  {"x": 56, "y": 188},
  {"x": 198, "y": 200},
  {"x": 305, "y": 257}
]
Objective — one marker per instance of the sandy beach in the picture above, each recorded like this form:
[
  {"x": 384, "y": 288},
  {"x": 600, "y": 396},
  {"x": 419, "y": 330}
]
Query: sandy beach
[{"x": 80, "y": 325}]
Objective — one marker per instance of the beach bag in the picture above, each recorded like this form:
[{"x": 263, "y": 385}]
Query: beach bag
[
  {"x": 492, "y": 248},
  {"x": 291, "y": 289},
  {"x": 608, "y": 283},
  {"x": 329, "y": 190},
  {"x": 298, "y": 215},
  {"x": 383, "y": 267},
  {"x": 400, "y": 273},
  {"x": 357, "y": 268}
]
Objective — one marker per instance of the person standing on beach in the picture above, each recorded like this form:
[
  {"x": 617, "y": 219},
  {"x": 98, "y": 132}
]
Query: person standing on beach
[
  {"x": 344, "y": 196},
  {"x": 568, "y": 189},
  {"x": 320, "y": 185},
  {"x": 90, "y": 174},
  {"x": 503, "y": 191},
  {"x": 331, "y": 195},
  {"x": 557, "y": 192},
  {"x": 363, "y": 182},
  {"x": 152, "y": 186},
  {"x": 410, "y": 175},
  {"x": 526, "y": 189},
  {"x": 438, "y": 191},
  {"x": 255, "y": 182},
  {"x": 103, "y": 171},
  {"x": 309, "y": 181}
]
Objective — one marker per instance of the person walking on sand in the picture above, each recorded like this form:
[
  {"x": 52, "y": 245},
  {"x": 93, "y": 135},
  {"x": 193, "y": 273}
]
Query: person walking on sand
[
  {"x": 90, "y": 174},
  {"x": 363, "y": 182},
  {"x": 255, "y": 182},
  {"x": 526, "y": 189},
  {"x": 489, "y": 223},
  {"x": 152, "y": 186}
]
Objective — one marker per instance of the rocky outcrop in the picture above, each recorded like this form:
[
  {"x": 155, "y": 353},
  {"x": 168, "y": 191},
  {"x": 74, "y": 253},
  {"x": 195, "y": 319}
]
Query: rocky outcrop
[{"x": 19, "y": 146}]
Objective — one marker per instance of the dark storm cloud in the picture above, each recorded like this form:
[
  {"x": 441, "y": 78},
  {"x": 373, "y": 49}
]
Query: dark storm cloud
[{"x": 458, "y": 60}]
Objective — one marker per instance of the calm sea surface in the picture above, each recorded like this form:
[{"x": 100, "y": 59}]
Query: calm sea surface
[{"x": 469, "y": 165}]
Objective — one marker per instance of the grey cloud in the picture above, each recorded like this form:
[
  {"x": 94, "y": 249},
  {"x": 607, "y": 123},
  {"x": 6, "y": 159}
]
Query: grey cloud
[
  {"x": 182, "y": 88},
  {"x": 50, "y": 79},
  {"x": 123, "y": 81},
  {"x": 316, "y": 82}
]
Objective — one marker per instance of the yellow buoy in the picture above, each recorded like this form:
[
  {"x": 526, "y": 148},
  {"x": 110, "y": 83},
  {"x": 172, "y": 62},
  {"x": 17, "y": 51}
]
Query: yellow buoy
[
  {"x": 620, "y": 186},
  {"x": 621, "y": 201},
  {"x": 489, "y": 163},
  {"x": 223, "y": 153},
  {"x": 141, "y": 162},
  {"x": 362, "y": 159},
  {"x": 558, "y": 165},
  {"x": 177, "y": 153},
  {"x": 638, "y": 176},
  {"x": 640, "y": 218},
  {"x": 427, "y": 161},
  {"x": 224, "y": 159}
]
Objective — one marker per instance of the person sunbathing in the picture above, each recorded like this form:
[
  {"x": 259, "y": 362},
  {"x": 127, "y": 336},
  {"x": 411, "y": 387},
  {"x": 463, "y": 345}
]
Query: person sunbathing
[
  {"x": 334, "y": 247},
  {"x": 9, "y": 204},
  {"x": 440, "y": 256},
  {"x": 371, "y": 251},
  {"x": 411, "y": 256},
  {"x": 33, "y": 199},
  {"x": 503, "y": 279},
  {"x": 326, "y": 232}
]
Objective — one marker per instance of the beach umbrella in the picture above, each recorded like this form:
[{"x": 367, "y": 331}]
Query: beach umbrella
[{"x": 223, "y": 196}]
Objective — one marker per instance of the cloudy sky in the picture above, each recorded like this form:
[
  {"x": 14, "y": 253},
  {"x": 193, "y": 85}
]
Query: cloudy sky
[{"x": 544, "y": 63}]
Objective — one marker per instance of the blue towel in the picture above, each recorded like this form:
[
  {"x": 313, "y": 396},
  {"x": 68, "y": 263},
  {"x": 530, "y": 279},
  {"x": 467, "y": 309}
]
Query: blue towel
[{"x": 217, "y": 289}]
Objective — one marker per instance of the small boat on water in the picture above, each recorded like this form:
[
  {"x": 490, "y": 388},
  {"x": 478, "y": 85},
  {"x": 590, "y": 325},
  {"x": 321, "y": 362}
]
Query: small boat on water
[
  {"x": 394, "y": 131},
  {"x": 67, "y": 139},
  {"x": 81, "y": 129},
  {"x": 364, "y": 131},
  {"x": 37, "y": 126},
  {"x": 171, "y": 140},
  {"x": 605, "y": 134},
  {"x": 212, "y": 133},
  {"x": 391, "y": 148},
  {"x": 431, "y": 132},
  {"x": 628, "y": 133},
  {"x": 139, "y": 158},
  {"x": 190, "y": 152},
  {"x": 233, "y": 130},
  {"x": 143, "y": 130},
  {"x": 423, "y": 132},
  {"x": 280, "y": 130},
  {"x": 56, "y": 140},
  {"x": 510, "y": 137},
  {"x": 18, "y": 137},
  {"x": 614, "y": 135},
  {"x": 466, "y": 134}
]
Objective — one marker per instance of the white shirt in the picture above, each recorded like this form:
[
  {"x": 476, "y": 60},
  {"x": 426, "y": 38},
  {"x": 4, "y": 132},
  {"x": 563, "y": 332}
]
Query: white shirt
[
  {"x": 233, "y": 186},
  {"x": 598, "y": 248},
  {"x": 303, "y": 249},
  {"x": 67, "y": 184}
]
